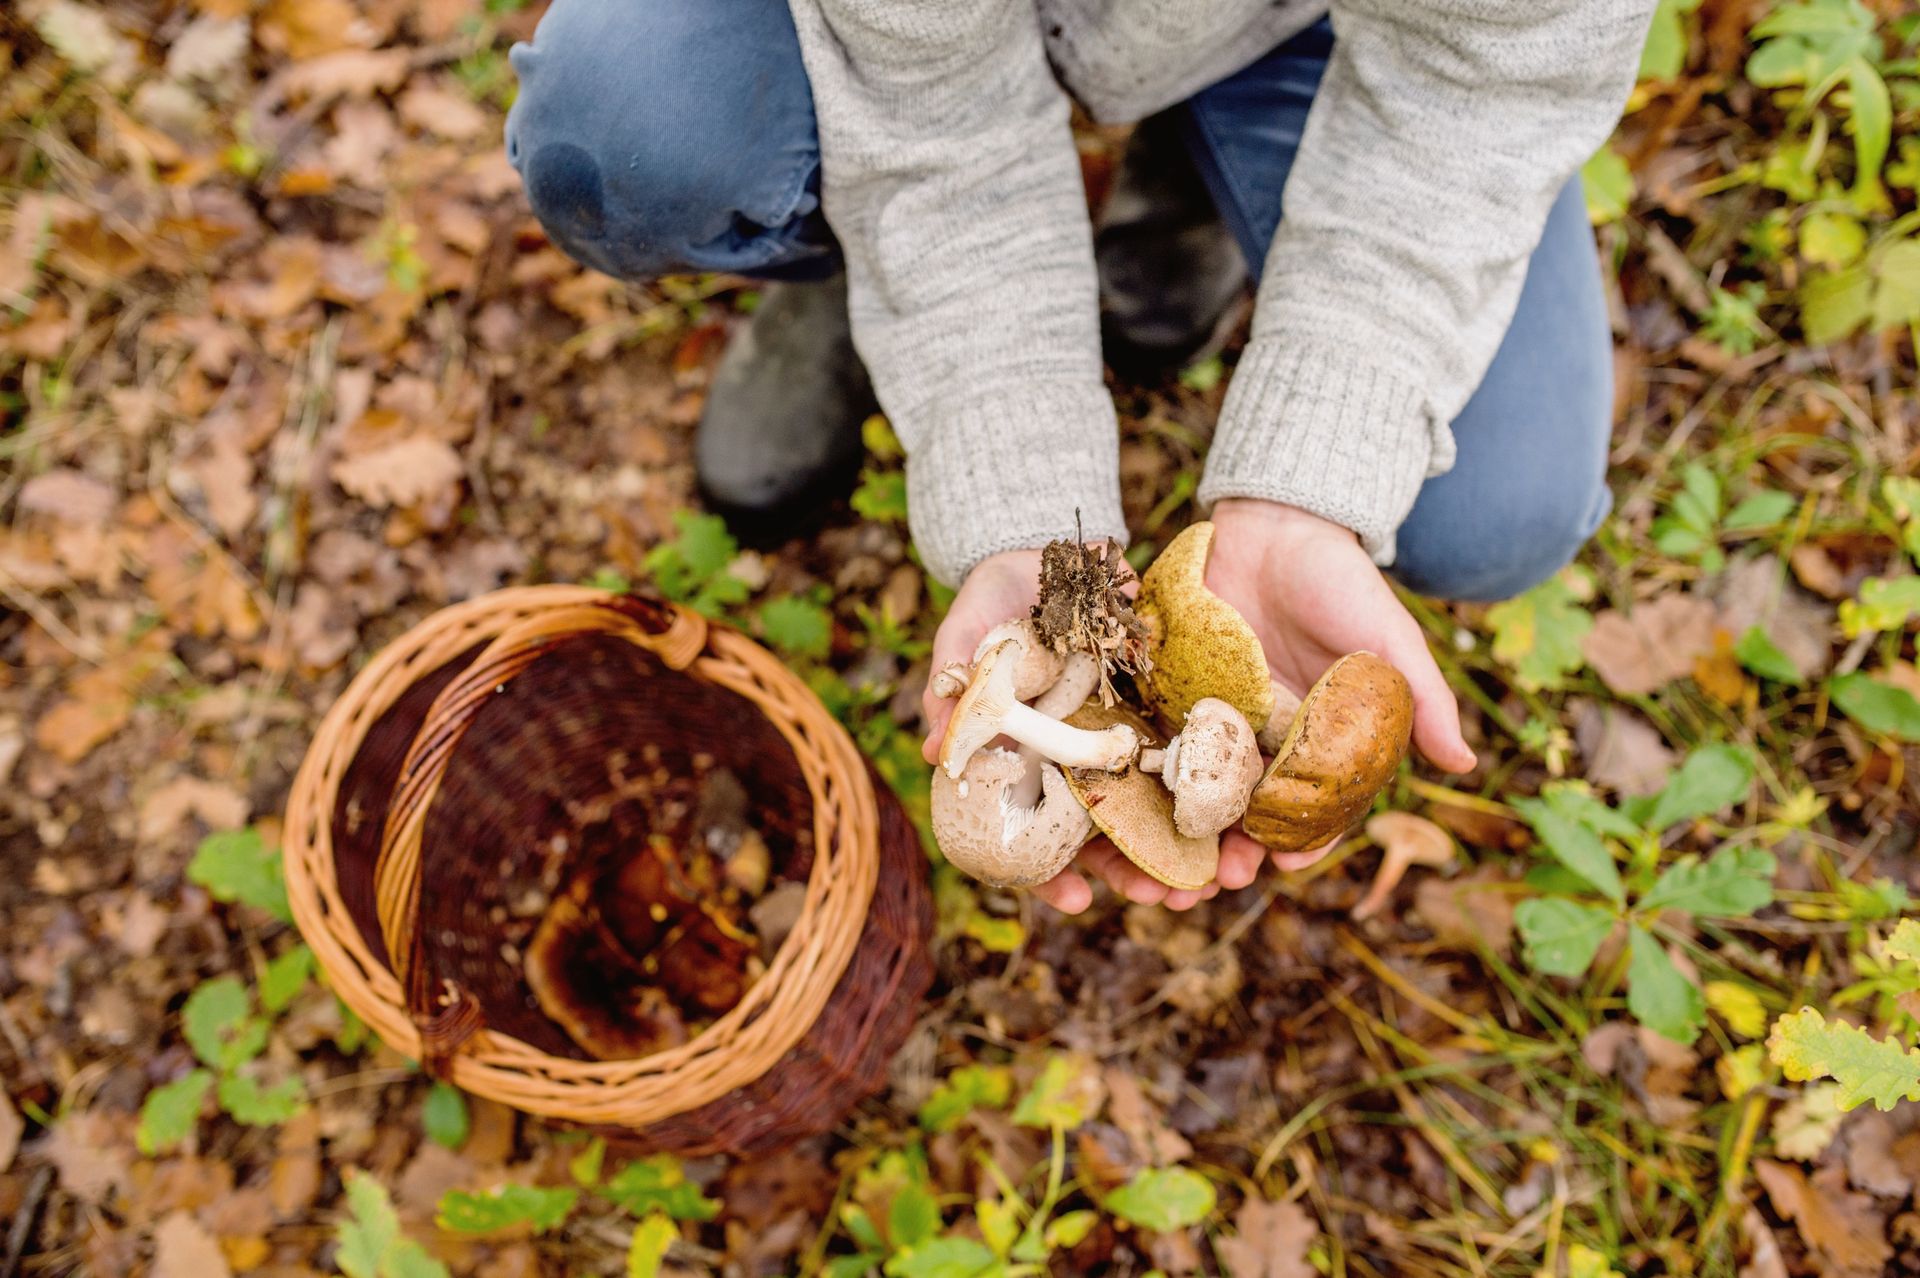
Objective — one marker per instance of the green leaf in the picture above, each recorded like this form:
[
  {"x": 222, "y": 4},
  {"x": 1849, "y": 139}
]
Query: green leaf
[
  {"x": 584, "y": 1166},
  {"x": 1576, "y": 847},
  {"x": 1163, "y": 1199},
  {"x": 1834, "y": 304},
  {"x": 996, "y": 935},
  {"x": 1561, "y": 936},
  {"x": 692, "y": 568},
  {"x": 1885, "y": 603},
  {"x": 999, "y": 1224},
  {"x": 1664, "y": 55},
  {"x": 1759, "y": 654},
  {"x": 651, "y": 1238},
  {"x": 914, "y": 1217},
  {"x": 797, "y": 627},
  {"x": 1805, "y": 1045},
  {"x": 968, "y": 1088},
  {"x": 172, "y": 1111},
  {"x": 1658, "y": 994},
  {"x": 1734, "y": 883},
  {"x": 1896, "y": 294},
  {"x": 285, "y": 977},
  {"x": 247, "y": 1102},
  {"x": 1608, "y": 184},
  {"x": 942, "y": 1258},
  {"x": 371, "y": 1244},
  {"x": 538, "y": 1207},
  {"x": 1070, "y": 1228},
  {"x": 1538, "y": 634},
  {"x": 1577, "y": 803},
  {"x": 444, "y": 1116},
  {"x": 658, "y": 1184},
  {"x": 1871, "y": 115},
  {"x": 1061, "y": 1097},
  {"x": 1712, "y": 778},
  {"x": 1760, "y": 510},
  {"x": 1832, "y": 239},
  {"x": 858, "y": 1265},
  {"x": 1585, "y": 1262},
  {"x": 1880, "y": 708},
  {"x": 881, "y": 496},
  {"x": 1903, "y": 944},
  {"x": 236, "y": 866},
  {"x": 218, "y": 1023},
  {"x": 1203, "y": 376}
]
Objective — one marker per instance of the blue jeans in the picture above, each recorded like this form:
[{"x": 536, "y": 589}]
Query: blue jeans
[{"x": 657, "y": 137}]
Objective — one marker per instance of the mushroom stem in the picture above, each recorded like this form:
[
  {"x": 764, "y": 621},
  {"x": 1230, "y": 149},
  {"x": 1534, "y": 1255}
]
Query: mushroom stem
[
  {"x": 1110, "y": 749},
  {"x": 1157, "y": 759},
  {"x": 1078, "y": 678}
]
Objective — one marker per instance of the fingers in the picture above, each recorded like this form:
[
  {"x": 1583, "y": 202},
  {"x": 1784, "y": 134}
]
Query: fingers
[
  {"x": 1066, "y": 892},
  {"x": 1123, "y": 876},
  {"x": 1436, "y": 714},
  {"x": 1240, "y": 859},
  {"x": 1288, "y": 862}
]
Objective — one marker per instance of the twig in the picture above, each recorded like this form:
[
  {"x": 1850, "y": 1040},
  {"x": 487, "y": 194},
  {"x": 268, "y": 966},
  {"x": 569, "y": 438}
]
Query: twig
[
  {"x": 79, "y": 645},
  {"x": 23, "y": 1220}
]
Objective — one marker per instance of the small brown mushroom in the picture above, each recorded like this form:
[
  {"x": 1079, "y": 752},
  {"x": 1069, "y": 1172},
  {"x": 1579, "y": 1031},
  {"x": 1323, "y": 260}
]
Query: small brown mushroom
[
  {"x": 1201, "y": 646},
  {"x": 989, "y": 708},
  {"x": 989, "y": 829},
  {"x": 1211, "y": 767},
  {"x": 1134, "y": 810},
  {"x": 1344, "y": 745},
  {"x": 1408, "y": 840}
]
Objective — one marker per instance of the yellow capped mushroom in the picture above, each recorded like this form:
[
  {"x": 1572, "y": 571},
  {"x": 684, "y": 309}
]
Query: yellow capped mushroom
[{"x": 1201, "y": 646}]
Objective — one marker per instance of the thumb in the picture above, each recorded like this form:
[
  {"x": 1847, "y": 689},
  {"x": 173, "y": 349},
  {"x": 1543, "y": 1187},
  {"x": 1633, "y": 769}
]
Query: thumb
[{"x": 1436, "y": 714}]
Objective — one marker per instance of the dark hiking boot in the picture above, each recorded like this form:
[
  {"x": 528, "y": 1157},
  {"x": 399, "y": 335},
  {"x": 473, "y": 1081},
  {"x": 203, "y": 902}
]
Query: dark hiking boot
[
  {"x": 1169, "y": 269},
  {"x": 780, "y": 435}
]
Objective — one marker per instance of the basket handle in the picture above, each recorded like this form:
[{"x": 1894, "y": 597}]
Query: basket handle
[{"x": 445, "y": 1015}]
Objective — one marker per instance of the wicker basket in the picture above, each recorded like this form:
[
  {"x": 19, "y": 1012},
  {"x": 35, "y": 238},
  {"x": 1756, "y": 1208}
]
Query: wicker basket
[{"x": 452, "y": 772}]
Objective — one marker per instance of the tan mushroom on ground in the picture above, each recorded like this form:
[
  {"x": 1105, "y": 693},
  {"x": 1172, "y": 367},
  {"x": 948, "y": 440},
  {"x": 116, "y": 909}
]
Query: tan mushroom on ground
[
  {"x": 1134, "y": 810},
  {"x": 988, "y": 708},
  {"x": 1407, "y": 840},
  {"x": 1344, "y": 745},
  {"x": 1201, "y": 646},
  {"x": 1211, "y": 768}
]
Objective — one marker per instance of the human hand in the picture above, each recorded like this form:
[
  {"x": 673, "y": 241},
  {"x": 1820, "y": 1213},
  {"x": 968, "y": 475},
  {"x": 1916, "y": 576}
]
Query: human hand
[
  {"x": 1312, "y": 595},
  {"x": 1000, "y": 588}
]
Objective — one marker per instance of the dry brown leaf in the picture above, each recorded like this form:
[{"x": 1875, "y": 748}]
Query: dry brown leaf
[
  {"x": 71, "y": 496},
  {"x": 1882, "y": 1158},
  {"x": 1818, "y": 571},
  {"x": 97, "y": 703},
  {"x": 435, "y": 109},
  {"x": 294, "y": 1180},
  {"x": 1270, "y": 1240},
  {"x": 1141, "y": 1120},
  {"x": 1641, "y": 652},
  {"x": 218, "y": 807},
  {"x": 225, "y": 477},
  {"x": 90, "y": 1150},
  {"x": 303, "y": 29},
  {"x": 209, "y": 48},
  {"x": 1763, "y": 1249},
  {"x": 1623, "y": 752},
  {"x": 354, "y": 73},
  {"x": 12, "y": 1127},
  {"x": 363, "y": 134},
  {"x": 1469, "y": 911},
  {"x": 1758, "y": 592},
  {"x": 182, "y": 1248},
  {"x": 1845, "y": 1229},
  {"x": 408, "y": 473}
]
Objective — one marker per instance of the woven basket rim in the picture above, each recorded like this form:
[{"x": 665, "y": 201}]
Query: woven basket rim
[{"x": 737, "y": 1047}]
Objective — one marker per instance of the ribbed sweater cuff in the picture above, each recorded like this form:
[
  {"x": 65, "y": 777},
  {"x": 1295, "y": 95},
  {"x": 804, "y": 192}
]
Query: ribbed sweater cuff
[
  {"x": 1006, "y": 470},
  {"x": 1329, "y": 431}
]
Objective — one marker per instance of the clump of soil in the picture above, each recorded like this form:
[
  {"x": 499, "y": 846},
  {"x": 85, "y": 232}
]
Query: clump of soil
[{"x": 1084, "y": 608}]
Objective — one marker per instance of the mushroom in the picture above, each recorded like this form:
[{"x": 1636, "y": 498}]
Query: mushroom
[
  {"x": 988, "y": 708},
  {"x": 1134, "y": 810},
  {"x": 1039, "y": 668},
  {"x": 1343, "y": 746},
  {"x": 1201, "y": 646},
  {"x": 1211, "y": 767},
  {"x": 987, "y": 829},
  {"x": 1409, "y": 840}
]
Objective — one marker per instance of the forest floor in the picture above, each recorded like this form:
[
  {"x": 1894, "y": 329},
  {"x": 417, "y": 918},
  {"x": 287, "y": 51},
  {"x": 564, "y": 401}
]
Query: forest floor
[{"x": 286, "y": 365}]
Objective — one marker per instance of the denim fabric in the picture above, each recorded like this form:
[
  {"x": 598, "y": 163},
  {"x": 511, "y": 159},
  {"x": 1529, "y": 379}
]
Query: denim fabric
[{"x": 656, "y": 137}]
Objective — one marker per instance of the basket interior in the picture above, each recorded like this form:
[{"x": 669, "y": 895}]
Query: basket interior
[{"x": 591, "y": 751}]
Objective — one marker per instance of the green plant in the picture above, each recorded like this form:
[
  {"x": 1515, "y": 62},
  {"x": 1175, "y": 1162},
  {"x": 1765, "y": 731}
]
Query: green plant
[
  {"x": 1807, "y": 1045},
  {"x": 1695, "y": 521},
  {"x": 1585, "y": 895},
  {"x": 691, "y": 568},
  {"x": 237, "y": 867},
  {"x": 370, "y": 1242},
  {"x": 1538, "y": 634}
]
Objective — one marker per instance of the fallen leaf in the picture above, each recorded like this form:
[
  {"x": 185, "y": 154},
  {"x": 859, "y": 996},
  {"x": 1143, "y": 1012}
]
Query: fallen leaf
[
  {"x": 354, "y": 73},
  {"x": 363, "y": 134},
  {"x": 12, "y": 1127},
  {"x": 1756, "y": 592},
  {"x": 1719, "y": 674},
  {"x": 1763, "y": 1249},
  {"x": 182, "y": 1248},
  {"x": 440, "y": 111},
  {"x": 218, "y": 807},
  {"x": 91, "y": 1151},
  {"x": 1134, "y": 1114},
  {"x": 97, "y": 704},
  {"x": 224, "y": 475},
  {"x": 1845, "y": 1228},
  {"x": 70, "y": 496},
  {"x": 1641, "y": 652},
  {"x": 82, "y": 35},
  {"x": 1623, "y": 752},
  {"x": 303, "y": 29},
  {"x": 409, "y": 473},
  {"x": 1270, "y": 1240},
  {"x": 209, "y": 48},
  {"x": 1819, "y": 573},
  {"x": 1807, "y": 1124},
  {"x": 1881, "y": 1158},
  {"x": 1465, "y": 913}
]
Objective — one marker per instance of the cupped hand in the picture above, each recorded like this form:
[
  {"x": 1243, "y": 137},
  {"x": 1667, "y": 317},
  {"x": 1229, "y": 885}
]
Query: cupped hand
[{"x": 1313, "y": 595}]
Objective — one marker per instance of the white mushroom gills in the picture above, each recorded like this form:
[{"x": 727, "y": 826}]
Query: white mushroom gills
[{"x": 988, "y": 708}]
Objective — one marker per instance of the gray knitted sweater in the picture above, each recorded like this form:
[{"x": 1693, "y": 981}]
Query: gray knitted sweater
[{"x": 1440, "y": 137}]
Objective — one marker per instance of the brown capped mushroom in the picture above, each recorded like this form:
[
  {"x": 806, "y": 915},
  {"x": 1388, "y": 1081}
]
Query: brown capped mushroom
[
  {"x": 1201, "y": 645},
  {"x": 989, "y": 828},
  {"x": 1344, "y": 745},
  {"x": 989, "y": 708},
  {"x": 1134, "y": 810},
  {"x": 1211, "y": 767}
]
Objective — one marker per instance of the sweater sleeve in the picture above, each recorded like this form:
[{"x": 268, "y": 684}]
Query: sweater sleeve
[
  {"x": 950, "y": 176},
  {"x": 1441, "y": 135}
]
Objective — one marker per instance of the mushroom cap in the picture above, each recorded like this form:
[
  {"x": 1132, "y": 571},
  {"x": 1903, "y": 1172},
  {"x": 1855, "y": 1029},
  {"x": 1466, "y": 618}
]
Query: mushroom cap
[
  {"x": 1346, "y": 741},
  {"x": 1136, "y": 811},
  {"x": 1202, "y": 646},
  {"x": 984, "y": 833},
  {"x": 1039, "y": 666},
  {"x": 1216, "y": 764},
  {"x": 976, "y": 719}
]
